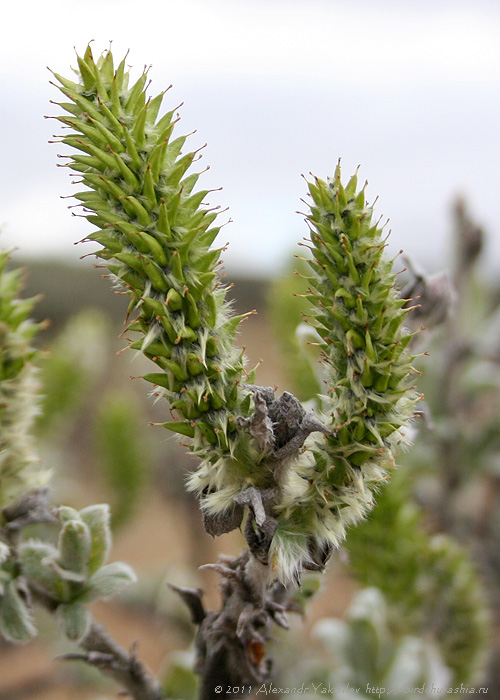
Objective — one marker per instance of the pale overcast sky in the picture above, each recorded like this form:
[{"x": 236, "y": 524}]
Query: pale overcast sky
[{"x": 409, "y": 90}]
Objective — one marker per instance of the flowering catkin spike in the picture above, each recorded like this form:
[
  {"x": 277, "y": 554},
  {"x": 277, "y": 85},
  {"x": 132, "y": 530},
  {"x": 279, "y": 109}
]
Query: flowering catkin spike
[
  {"x": 20, "y": 468},
  {"x": 370, "y": 397},
  {"x": 155, "y": 235}
]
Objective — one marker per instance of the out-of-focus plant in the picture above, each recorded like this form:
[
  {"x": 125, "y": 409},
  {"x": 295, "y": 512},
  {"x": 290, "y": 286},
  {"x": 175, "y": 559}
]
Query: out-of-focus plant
[
  {"x": 430, "y": 586},
  {"x": 75, "y": 374},
  {"x": 179, "y": 680},
  {"x": 366, "y": 659},
  {"x": 122, "y": 452},
  {"x": 460, "y": 456},
  {"x": 64, "y": 577},
  {"x": 455, "y": 464},
  {"x": 20, "y": 468},
  {"x": 299, "y": 350},
  {"x": 72, "y": 368},
  {"x": 75, "y": 572}
]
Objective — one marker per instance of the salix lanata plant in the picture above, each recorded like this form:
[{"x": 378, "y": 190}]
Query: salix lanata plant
[{"x": 296, "y": 479}]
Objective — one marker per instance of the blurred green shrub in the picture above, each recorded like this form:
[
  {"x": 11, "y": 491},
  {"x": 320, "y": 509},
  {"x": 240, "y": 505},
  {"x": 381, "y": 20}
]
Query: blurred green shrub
[
  {"x": 286, "y": 303},
  {"x": 20, "y": 467},
  {"x": 72, "y": 368},
  {"x": 366, "y": 659},
  {"x": 431, "y": 587},
  {"x": 123, "y": 452}
]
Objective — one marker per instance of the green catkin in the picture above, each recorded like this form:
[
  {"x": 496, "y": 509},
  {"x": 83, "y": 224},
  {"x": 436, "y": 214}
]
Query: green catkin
[
  {"x": 370, "y": 395},
  {"x": 156, "y": 235},
  {"x": 20, "y": 467},
  {"x": 157, "y": 242}
]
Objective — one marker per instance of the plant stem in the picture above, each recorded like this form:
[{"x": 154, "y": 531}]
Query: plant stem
[
  {"x": 103, "y": 652},
  {"x": 125, "y": 668},
  {"x": 230, "y": 643}
]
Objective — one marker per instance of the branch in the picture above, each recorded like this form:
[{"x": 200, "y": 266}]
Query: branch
[
  {"x": 230, "y": 643},
  {"x": 103, "y": 652},
  {"x": 124, "y": 667}
]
